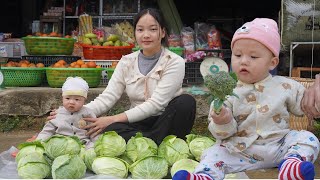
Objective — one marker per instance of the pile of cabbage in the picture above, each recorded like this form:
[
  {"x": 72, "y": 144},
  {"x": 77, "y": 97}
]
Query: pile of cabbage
[{"x": 62, "y": 157}]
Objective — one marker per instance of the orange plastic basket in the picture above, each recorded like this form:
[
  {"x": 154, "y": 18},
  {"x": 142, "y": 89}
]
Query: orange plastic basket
[{"x": 105, "y": 52}]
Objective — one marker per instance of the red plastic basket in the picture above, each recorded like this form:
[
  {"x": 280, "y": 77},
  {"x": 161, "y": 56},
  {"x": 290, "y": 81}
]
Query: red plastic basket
[{"x": 105, "y": 52}]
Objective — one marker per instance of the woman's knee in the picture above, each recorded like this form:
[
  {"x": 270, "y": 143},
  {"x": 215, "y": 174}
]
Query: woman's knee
[{"x": 185, "y": 102}]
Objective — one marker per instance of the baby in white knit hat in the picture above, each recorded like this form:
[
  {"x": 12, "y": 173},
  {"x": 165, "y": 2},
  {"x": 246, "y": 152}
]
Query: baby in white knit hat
[{"x": 68, "y": 120}]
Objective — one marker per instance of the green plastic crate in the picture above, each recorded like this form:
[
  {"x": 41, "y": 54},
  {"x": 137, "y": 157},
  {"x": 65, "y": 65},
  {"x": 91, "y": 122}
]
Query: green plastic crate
[
  {"x": 23, "y": 77},
  {"x": 57, "y": 76},
  {"x": 177, "y": 50},
  {"x": 49, "y": 45}
]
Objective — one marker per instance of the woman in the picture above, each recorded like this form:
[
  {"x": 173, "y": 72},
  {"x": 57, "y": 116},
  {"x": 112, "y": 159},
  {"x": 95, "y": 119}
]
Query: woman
[{"x": 152, "y": 78}]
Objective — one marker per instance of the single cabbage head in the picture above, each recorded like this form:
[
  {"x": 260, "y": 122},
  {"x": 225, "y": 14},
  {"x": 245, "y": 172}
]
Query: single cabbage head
[
  {"x": 173, "y": 149},
  {"x": 139, "y": 147},
  {"x": 197, "y": 144},
  {"x": 151, "y": 167},
  {"x": 110, "y": 144},
  {"x": 68, "y": 167},
  {"x": 110, "y": 166},
  {"x": 58, "y": 145},
  {"x": 29, "y": 147},
  {"x": 184, "y": 164},
  {"x": 33, "y": 166},
  {"x": 89, "y": 156}
]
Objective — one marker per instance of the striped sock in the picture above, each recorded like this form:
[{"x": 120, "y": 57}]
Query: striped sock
[
  {"x": 185, "y": 175},
  {"x": 293, "y": 168}
]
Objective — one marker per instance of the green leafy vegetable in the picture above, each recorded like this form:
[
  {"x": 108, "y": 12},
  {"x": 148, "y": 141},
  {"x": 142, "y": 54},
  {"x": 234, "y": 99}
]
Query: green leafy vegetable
[{"x": 220, "y": 85}]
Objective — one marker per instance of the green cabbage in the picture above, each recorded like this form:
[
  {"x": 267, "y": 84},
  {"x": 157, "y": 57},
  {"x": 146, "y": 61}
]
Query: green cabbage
[
  {"x": 111, "y": 166},
  {"x": 139, "y": 147},
  {"x": 68, "y": 167},
  {"x": 29, "y": 147},
  {"x": 89, "y": 156},
  {"x": 197, "y": 144},
  {"x": 173, "y": 149},
  {"x": 184, "y": 164},
  {"x": 110, "y": 144},
  {"x": 151, "y": 167},
  {"x": 33, "y": 166},
  {"x": 58, "y": 145}
]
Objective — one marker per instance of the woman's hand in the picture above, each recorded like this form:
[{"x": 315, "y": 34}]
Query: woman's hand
[
  {"x": 52, "y": 115},
  {"x": 310, "y": 103},
  {"x": 224, "y": 117},
  {"x": 97, "y": 125}
]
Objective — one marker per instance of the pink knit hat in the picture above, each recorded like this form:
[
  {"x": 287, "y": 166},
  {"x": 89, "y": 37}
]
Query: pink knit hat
[{"x": 263, "y": 30}]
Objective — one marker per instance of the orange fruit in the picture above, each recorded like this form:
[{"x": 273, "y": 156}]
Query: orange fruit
[
  {"x": 24, "y": 61},
  {"x": 91, "y": 64},
  {"x": 114, "y": 64},
  {"x": 73, "y": 64},
  {"x": 23, "y": 65},
  {"x": 77, "y": 66},
  {"x": 62, "y": 62},
  {"x": 98, "y": 66},
  {"x": 58, "y": 65},
  {"x": 80, "y": 62},
  {"x": 31, "y": 65},
  {"x": 84, "y": 66},
  {"x": 40, "y": 65},
  {"x": 38, "y": 33},
  {"x": 53, "y": 34}
]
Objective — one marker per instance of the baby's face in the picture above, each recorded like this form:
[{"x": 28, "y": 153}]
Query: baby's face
[
  {"x": 73, "y": 103},
  {"x": 252, "y": 61}
]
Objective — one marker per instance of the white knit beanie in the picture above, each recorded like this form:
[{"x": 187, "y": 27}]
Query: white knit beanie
[{"x": 75, "y": 86}]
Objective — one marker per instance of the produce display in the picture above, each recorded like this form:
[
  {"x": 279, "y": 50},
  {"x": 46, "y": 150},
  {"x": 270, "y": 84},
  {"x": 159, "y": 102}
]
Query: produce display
[
  {"x": 65, "y": 157},
  {"x": 45, "y": 45},
  {"x": 23, "y": 63},
  {"x": 111, "y": 40}
]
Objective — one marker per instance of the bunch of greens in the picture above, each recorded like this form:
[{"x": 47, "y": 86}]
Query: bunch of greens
[{"x": 220, "y": 85}]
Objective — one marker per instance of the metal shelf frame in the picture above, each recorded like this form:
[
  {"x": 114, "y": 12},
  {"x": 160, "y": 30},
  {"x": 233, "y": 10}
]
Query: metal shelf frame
[
  {"x": 294, "y": 45},
  {"x": 102, "y": 16}
]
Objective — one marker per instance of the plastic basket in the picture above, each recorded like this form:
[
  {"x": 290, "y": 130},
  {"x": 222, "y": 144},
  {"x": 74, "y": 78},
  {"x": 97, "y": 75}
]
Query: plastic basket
[
  {"x": 192, "y": 73},
  {"x": 105, "y": 52},
  {"x": 49, "y": 45},
  {"x": 49, "y": 60},
  {"x": 107, "y": 72},
  {"x": 177, "y": 50},
  {"x": 57, "y": 76},
  {"x": 22, "y": 77}
]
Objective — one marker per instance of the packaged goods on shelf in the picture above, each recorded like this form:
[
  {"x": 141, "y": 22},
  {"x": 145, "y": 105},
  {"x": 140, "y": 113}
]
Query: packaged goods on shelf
[{"x": 13, "y": 49}]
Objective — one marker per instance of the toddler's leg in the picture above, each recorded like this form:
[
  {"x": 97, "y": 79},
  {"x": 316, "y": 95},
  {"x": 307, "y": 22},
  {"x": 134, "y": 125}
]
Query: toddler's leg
[
  {"x": 294, "y": 168},
  {"x": 297, "y": 163},
  {"x": 185, "y": 175}
]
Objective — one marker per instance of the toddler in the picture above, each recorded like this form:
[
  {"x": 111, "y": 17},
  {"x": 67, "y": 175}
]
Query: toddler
[
  {"x": 68, "y": 120},
  {"x": 252, "y": 131}
]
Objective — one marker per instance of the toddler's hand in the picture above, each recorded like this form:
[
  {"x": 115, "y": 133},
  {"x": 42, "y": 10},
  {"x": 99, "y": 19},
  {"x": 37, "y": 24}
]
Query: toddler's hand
[
  {"x": 224, "y": 117},
  {"x": 52, "y": 115}
]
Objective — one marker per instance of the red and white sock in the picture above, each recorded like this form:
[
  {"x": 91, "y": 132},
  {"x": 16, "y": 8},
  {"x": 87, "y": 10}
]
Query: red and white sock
[
  {"x": 185, "y": 175},
  {"x": 293, "y": 168}
]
